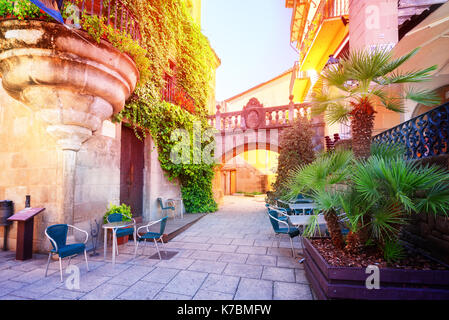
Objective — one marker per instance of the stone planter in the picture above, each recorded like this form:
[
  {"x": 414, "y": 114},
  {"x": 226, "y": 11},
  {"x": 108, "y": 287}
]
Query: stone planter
[{"x": 331, "y": 282}]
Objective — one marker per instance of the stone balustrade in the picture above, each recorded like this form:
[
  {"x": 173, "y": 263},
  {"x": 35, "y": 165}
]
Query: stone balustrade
[{"x": 255, "y": 116}]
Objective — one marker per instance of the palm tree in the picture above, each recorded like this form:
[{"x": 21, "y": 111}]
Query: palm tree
[
  {"x": 361, "y": 80},
  {"x": 319, "y": 180}
]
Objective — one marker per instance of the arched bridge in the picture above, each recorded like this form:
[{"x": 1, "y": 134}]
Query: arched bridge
[{"x": 258, "y": 128}]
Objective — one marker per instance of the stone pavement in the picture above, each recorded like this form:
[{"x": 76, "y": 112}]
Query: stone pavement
[{"x": 230, "y": 254}]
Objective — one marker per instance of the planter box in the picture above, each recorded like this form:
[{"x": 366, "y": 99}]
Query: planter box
[{"x": 331, "y": 282}]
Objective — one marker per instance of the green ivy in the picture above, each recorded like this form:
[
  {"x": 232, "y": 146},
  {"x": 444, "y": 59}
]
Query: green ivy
[
  {"x": 20, "y": 9},
  {"x": 168, "y": 34},
  {"x": 161, "y": 119}
]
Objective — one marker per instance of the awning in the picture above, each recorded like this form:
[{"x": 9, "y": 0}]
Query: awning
[
  {"x": 51, "y": 7},
  {"x": 432, "y": 36}
]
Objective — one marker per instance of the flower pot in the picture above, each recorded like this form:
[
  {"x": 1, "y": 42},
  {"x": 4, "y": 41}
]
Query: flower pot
[
  {"x": 122, "y": 240},
  {"x": 330, "y": 282}
]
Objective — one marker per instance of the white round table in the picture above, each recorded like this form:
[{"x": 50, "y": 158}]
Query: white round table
[{"x": 114, "y": 226}]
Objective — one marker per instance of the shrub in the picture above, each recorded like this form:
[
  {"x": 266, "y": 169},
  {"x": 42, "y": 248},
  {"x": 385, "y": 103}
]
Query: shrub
[{"x": 296, "y": 149}]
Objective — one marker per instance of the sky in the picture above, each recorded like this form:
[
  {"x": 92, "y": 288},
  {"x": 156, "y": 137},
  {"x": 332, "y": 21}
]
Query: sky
[{"x": 252, "y": 39}]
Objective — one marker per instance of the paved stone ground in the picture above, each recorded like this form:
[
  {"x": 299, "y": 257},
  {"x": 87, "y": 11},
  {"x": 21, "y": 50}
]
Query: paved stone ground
[{"x": 231, "y": 254}]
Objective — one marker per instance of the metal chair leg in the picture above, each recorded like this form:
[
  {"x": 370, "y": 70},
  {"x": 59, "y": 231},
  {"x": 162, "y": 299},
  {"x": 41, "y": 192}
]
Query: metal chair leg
[
  {"x": 116, "y": 245},
  {"x": 144, "y": 246},
  {"x": 135, "y": 238},
  {"x": 163, "y": 245},
  {"x": 48, "y": 263},
  {"x": 85, "y": 257},
  {"x": 157, "y": 248},
  {"x": 135, "y": 250},
  {"x": 293, "y": 251},
  {"x": 60, "y": 267}
]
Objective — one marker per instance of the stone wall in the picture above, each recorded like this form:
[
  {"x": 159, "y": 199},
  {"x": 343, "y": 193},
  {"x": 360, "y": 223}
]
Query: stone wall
[
  {"x": 427, "y": 231},
  {"x": 30, "y": 164},
  {"x": 97, "y": 175},
  {"x": 156, "y": 183}
]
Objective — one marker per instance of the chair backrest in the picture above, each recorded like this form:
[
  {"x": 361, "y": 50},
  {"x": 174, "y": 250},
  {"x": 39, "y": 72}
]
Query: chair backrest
[
  {"x": 115, "y": 217},
  {"x": 163, "y": 224},
  {"x": 274, "y": 223},
  {"x": 58, "y": 233},
  {"x": 161, "y": 203}
]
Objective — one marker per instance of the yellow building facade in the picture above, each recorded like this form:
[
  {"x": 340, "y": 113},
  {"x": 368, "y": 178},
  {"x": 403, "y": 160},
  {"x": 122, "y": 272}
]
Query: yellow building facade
[
  {"x": 323, "y": 28},
  {"x": 254, "y": 171}
]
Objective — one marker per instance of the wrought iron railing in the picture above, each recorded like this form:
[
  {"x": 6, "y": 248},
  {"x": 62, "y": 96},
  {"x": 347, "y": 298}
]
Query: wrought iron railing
[
  {"x": 177, "y": 95},
  {"x": 424, "y": 136},
  {"x": 114, "y": 12}
]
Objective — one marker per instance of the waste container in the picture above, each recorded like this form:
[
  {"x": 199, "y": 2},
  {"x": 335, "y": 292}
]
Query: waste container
[{"x": 6, "y": 210}]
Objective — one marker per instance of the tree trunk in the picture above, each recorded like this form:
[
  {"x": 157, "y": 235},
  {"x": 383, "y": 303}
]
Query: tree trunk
[
  {"x": 353, "y": 244},
  {"x": 334, "y": 229},
  {"x": 362, "y": 123}
]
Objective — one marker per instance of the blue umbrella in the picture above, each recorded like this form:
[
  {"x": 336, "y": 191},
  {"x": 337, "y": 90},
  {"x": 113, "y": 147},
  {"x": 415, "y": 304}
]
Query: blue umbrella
[{"x": 51, "y": 7}]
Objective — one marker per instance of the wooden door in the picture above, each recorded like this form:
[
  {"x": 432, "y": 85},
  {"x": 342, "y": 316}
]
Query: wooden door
[
  {"x": 233, "y": 182},
  {"x": 131, "y": 171}
]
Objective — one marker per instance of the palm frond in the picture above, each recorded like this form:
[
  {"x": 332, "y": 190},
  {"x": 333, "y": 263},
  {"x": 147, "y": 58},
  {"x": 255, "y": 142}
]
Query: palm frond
[
  {"x": 388, "y": 100},
  {"x": 425, "y": 97},
  {"x": 364, "y": 65},
  {"x": 396, "y": 63},
  {"x": 337, "y": 113},
  {"x": 407, "y": 77}
]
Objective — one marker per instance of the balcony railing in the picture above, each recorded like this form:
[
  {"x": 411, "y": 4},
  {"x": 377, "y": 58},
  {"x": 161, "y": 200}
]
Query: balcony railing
[
  {"x": 424, "y": 136},
  {"x": 177, "y": 95},
  {"x": 258, "y": 117},
  {"x": 114, "y": 12},
  {"x": 327, "y": 9}
]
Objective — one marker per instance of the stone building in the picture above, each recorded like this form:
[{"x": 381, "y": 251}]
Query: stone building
[{"x": 58, "y": 144}]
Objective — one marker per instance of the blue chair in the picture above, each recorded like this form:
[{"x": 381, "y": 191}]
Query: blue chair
[
  {"x": 165, "y": 208},
  {"x": 57, "y": 234},
  {"x": 152, "y": 235},
  {"x": 283, "y": 227},
  {"x": 279, "y": 213},
  {"x": 120, "y": 232}
]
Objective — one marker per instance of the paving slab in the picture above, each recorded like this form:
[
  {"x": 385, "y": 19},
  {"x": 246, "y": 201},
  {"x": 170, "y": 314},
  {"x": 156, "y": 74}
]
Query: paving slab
[
  {"x": 291, "y": 291},
  {"x": 221, "y": 283},
  {"x": 186, "y": 283},
  {"x": 253, "y": 289},
  {"x": 141, "y": 290}
]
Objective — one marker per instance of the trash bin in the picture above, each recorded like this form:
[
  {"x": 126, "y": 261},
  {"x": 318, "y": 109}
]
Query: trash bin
[{"x": 6, "y": 210}]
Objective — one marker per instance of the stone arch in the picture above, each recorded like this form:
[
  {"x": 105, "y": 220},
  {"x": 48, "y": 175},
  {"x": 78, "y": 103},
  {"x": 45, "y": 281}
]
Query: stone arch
[{"x": 250, "y": 146}]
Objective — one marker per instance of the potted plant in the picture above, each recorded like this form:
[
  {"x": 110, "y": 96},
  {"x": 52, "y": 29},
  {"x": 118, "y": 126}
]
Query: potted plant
[
  {"x": 125, "y": 211},
  {"x": 375, "y": 198}
]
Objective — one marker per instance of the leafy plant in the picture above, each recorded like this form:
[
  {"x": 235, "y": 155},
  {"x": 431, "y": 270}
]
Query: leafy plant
[
  {"x": 20, "y": 9},
  {"x": 374, "y": 198},
  {"x": 123, "y": 209},
  {"x": 363, "y": 78},
  {"x": 296, "y": 148},
  {"x": 393, "y": 251},
  {"x": 319, "y": 180}
]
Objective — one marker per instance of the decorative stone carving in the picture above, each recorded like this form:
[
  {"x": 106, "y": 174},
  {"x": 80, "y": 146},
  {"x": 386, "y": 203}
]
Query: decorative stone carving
[
  {"x": 72, "y": 84},
  {"x": 253, "y": 114}
]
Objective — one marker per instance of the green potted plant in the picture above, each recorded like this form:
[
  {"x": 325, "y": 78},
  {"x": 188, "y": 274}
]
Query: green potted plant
[{"x": 125, "y": 211}]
